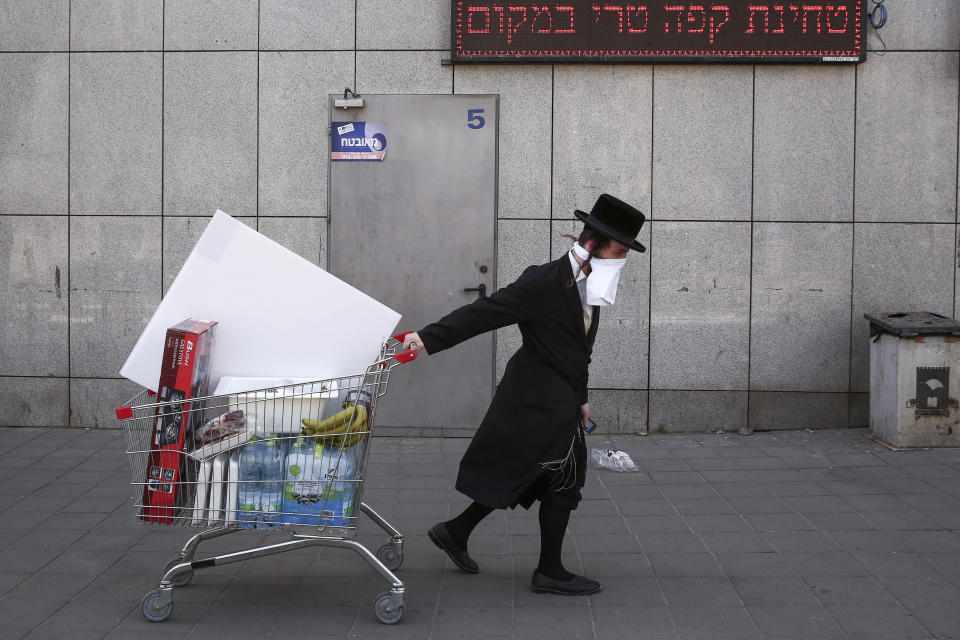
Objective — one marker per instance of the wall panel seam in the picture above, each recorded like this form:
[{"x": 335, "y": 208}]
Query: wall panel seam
[
  {"x": 853, "y": 239},
  {"x": 69, "y": 222},
  {"x": 356, "y": 27},
  {"x": 257, "y": 169},
  {"x": 650, "y": 220},
  {"x": 553, "y": 115},
  {"x": 956, "y": 196},
  {"x": 163, "y": 81},
  {"x": 753, "y": 187}
]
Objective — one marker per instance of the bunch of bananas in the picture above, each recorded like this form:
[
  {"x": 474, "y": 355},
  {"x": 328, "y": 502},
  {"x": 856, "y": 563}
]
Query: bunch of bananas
[{"x": 341, "y": 430}]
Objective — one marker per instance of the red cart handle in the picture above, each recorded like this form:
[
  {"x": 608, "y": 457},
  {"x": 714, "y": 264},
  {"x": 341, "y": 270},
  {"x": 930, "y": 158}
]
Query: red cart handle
[
  {"x": 404, "y": 356},
  {"x": 124, "y": 413}
]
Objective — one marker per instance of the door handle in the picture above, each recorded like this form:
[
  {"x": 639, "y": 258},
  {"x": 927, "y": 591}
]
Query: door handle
[{"x": 482, "y": 290}]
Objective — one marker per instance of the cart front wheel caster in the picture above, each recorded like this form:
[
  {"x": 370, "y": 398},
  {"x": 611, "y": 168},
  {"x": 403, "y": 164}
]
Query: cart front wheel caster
[
  {"x": 181, "y": 579},
  {"x": 384, "y": 616},
  {"x": 155, "y": 609},
  {"x": 389, "y": 559}
]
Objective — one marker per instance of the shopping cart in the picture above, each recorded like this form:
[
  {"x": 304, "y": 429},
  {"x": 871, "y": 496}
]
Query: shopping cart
[{"x": 288, "y": 457}]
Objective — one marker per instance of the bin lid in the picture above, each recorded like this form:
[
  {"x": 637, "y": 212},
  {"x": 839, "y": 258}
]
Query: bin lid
[{"x": 912, "y": 323}]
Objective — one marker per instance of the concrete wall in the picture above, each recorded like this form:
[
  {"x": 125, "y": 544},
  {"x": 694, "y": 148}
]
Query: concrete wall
[{"x": 784, "y": 201}]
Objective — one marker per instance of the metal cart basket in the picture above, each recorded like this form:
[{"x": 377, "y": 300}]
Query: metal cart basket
[{"x": 288, "y": 457}]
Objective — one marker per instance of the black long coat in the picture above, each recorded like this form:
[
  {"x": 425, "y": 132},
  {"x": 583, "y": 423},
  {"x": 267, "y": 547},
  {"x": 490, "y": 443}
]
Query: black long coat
[{"x": 534, "y": 415}]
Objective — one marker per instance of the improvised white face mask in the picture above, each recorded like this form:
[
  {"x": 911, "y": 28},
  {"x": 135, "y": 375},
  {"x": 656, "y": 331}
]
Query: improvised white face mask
[{"x": 603, "y": 279}]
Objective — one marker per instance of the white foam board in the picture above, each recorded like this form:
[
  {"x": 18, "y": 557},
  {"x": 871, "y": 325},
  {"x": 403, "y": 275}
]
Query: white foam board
[{"x": 279, "y": 315}]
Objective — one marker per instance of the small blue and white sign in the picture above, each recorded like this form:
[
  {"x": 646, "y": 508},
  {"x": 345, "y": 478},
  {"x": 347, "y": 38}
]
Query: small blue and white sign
[{"x": 359, "y": 141}]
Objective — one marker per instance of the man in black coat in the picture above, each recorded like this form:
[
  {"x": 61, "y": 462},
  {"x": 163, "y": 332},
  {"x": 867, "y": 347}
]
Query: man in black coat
[{"x": 530, "y": 445}]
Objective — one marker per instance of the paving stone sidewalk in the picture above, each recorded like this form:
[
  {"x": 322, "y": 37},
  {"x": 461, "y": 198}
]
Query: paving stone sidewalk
[{"x": 786, "y": 535}]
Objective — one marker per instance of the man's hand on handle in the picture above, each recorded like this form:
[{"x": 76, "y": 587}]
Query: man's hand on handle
[{"x": 412, "y": 341}]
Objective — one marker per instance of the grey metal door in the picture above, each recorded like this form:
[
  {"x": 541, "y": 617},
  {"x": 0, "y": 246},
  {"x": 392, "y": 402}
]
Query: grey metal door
[{"x": 415, "y": 229}]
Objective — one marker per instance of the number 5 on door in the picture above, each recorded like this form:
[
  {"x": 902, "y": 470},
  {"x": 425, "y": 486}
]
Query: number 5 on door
[{"x": 474, "y": 118}]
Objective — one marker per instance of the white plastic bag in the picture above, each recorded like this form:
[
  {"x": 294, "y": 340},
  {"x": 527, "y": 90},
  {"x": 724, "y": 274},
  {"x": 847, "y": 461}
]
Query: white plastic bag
[{"x": 612, "y": 459}]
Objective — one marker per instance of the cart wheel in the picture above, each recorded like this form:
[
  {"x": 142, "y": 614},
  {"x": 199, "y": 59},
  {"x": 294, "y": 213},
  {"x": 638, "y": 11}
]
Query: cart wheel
[
  {"x": 384, "y": 616},
  {"x": 181, "y": 579},
  {"x": 153, "y": 608},
  {"x": 389, "y": 559}
]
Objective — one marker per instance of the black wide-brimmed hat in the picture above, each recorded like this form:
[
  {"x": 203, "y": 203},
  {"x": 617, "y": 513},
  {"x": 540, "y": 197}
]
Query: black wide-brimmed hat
[{"x": 616, "y": 219}]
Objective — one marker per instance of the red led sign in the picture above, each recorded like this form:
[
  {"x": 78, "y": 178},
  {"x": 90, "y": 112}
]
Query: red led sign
[{"x": 587, "y": 30}]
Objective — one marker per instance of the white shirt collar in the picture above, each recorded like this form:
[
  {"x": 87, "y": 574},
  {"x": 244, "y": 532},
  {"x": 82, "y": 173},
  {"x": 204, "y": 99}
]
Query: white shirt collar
[
  {"x": 576, "y": 266},
  {"x": 581, "y": 279}
]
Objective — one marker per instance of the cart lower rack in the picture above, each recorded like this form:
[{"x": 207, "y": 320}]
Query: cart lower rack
[{"x": 289, "y": 457}]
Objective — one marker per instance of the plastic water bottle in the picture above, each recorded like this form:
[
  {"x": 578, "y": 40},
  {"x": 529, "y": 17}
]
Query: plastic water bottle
[
  {"x": 248, "y": 487},
  {"x": 296, "y": 485},
  {"x": 271, "y": 482},
  {"x": 347, "y": 474}
]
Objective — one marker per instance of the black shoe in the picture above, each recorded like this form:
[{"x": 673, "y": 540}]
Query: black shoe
[
  {"x": 575, "y": 586},
  {"x": 441, "y": 537}
]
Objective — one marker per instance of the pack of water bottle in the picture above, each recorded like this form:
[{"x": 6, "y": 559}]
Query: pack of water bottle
[
  {"x": 260, "y": 483},
  {"x": 295, "y": 481},
  {"x": 320, "y": 484}
]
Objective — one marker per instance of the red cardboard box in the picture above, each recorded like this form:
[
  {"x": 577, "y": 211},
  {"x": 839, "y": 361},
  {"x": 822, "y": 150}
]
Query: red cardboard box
[{"x": 184, "y": 375}]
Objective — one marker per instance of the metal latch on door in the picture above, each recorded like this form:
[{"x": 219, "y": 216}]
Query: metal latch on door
[
  {"x": 481, "y": 288},
  {"x": 355, "y": 102}
]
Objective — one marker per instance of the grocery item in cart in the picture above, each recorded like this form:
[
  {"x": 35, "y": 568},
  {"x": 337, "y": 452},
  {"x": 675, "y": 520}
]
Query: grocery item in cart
[
  {"x": 339, "y": 468},
  {"x": 301, "y": 487},
  {"x": 320, "y": 484},
  {"x": 215, "y": 485},
  {"x": 202, "y": 493},
  {"x": 233, "y": 472},
  {"x": 343, "y": 429},
  {"x": 227, "y": 443},
  {"x": 218, "y": 488},
  {"x": 276, "y": 404},
  {"x": 248, "y": 485},
  {"x": 260, "y": 485},
  {"x": 183, "y": 375},
  {"x": 271, "y": 483},
  {"x": 220, "y": 427}
]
